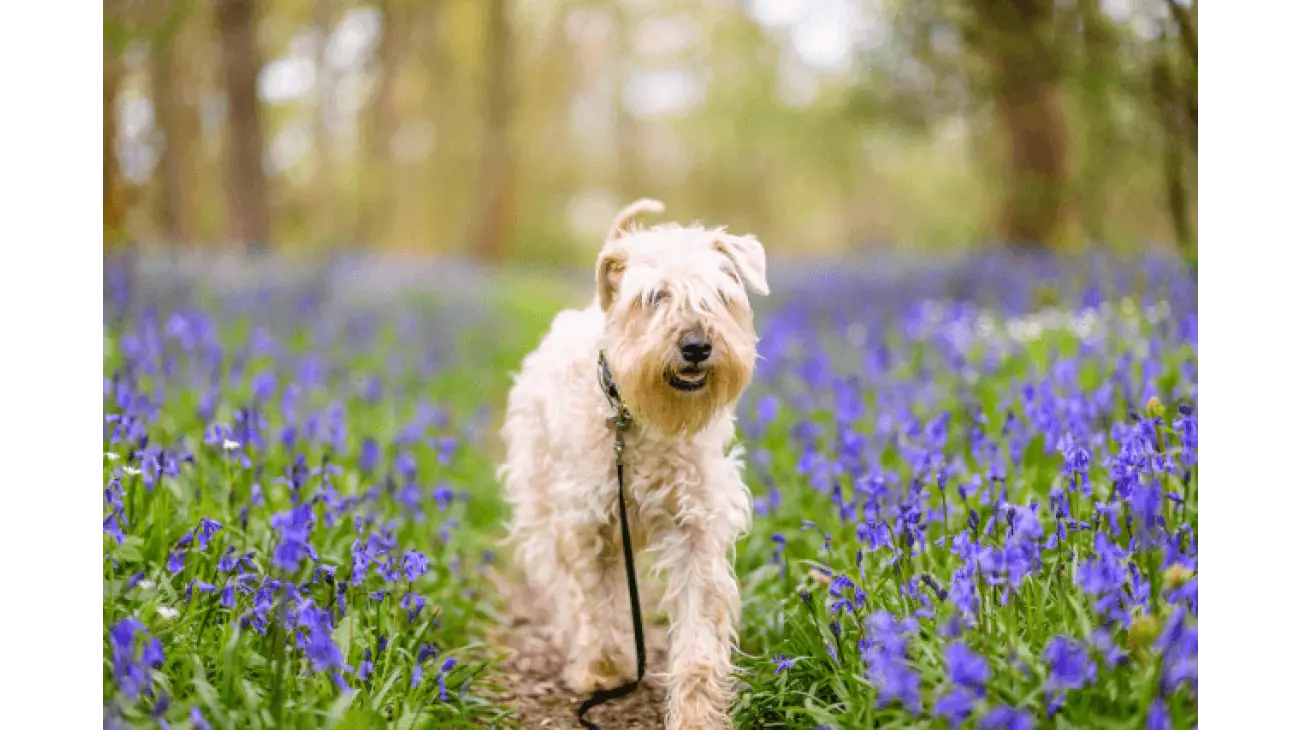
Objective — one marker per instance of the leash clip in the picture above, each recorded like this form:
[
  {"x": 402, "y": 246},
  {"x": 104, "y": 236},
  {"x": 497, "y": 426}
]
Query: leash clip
[{"x": 621, "y": 420}]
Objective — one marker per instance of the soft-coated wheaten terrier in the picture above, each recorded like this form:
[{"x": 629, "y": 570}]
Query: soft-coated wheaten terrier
[{"x": 672, "y": 317}]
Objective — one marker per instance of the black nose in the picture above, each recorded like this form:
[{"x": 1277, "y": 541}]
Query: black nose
[{"x": 696, "y": 348}]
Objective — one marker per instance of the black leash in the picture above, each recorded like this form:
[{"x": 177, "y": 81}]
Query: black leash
[{"x": 620, "y": 422}]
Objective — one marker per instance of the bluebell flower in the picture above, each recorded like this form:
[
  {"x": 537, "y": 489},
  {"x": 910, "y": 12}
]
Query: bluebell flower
[
  {"x": 443, "y": 495},
  {"x": 197, "y": 720},
  {"x": 1158, "y": 716},
  {"x": 1178, "y": 645},
  {"x": 175, "y": 562},
  {"x": 366, "y": 668},
  {"x": 294, "y": 528},
  {"x": 206, "y": 529},
  {"x": 113, "y": 527},
  {"x": 966, "y": 668},
  {"x": 1006, "y": 718},
  {"x": 1069, "y": 667},
  {"x": 1103, "y": 644},
  {"x": 413, "y": 603},
  {"x": 783, "y": 663},
  {"x": 955, "y": 706},
  {"x": 414, "y": 564},
  {"x": 228, "y": 562}
]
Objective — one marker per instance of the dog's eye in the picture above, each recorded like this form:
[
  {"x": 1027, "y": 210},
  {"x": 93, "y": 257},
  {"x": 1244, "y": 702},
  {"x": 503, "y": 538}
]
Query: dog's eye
[{"x": 658, "y": 297}]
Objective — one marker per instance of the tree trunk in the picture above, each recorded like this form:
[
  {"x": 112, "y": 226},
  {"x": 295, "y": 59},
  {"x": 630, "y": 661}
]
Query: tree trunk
[
  {"x": 177, "y": 223},
  {"x": 494, "y": 223},
  {"x": 246, "y": 186},
  {"x": 1099, "y": 68},
  {"x": 1015, "y": 36},
  {"x": 1176, "y": 128},
  {"x": 324, "y": 209},
  {"x": 379, "y": 130},
  {"x": 114, "y": 198}
]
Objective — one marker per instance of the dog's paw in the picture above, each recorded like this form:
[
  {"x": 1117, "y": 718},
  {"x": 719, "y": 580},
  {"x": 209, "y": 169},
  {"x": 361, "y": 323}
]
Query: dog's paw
[{"x": 588, "y": 675}]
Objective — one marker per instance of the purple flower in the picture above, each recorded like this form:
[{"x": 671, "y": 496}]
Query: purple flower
[
  {"x": 443, "y": 495},
  {"x": 152, "y": 653},
  {"x": 1006, "y": 718},
  {"x": 426, "y": 652},
  {"x": 130, "y": 670},
  {"x": 228, "y": 561},
  {"x": 783, "y": 663},
  {"x": 1069, "y": 667},
  {"x": 966, "y": 668},
  {"x": 112, "y": 526},
  {"x": 1158, "y": 716},
  {"x": 413, "y": 603},
  {"x": 367, "y": 667},
  {"x": 1178, "y": 644},
  {"x": 369, "y": 457},
  {"x": 294, "y": 527},
  {"x": 206, "y": 529},
  {"x": 885, "y": 653},
  {"x": 414, "y": 565},
  {"x": 1185, "y": 426},
  {"x": 955, "y": 706},
  {"x": 175, "y": 562},
  {"x": 198, "y": 720}
]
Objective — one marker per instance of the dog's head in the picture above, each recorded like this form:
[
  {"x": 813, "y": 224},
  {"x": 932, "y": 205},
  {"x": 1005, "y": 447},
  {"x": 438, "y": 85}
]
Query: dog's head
[{"x": 679, "y": 332}]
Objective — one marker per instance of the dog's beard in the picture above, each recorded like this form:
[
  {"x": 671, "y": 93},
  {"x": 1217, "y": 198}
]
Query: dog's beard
[{"x": 674, "y": 396}]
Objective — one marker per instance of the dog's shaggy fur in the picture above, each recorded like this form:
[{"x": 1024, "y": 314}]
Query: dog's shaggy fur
[{"x": 656, "y": 289}]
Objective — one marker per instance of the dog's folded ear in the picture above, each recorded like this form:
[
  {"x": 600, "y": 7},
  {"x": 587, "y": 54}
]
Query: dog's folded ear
[
  {"x": 612, "y": 261},
  {"x": 609, "y": 272},
  {"x": 748, "y": 256}
]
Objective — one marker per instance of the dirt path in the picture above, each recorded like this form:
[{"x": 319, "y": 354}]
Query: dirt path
[{"x": 530, "y": 674}]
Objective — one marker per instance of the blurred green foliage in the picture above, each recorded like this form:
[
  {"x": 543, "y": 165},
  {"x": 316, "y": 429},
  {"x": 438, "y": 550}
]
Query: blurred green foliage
[{"x": 513, "y": 129}]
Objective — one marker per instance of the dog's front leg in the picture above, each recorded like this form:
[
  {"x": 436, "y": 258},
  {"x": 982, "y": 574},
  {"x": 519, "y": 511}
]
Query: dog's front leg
[
  {"x": 597, "y": 655},
  {"x": 703, "y": 601}
]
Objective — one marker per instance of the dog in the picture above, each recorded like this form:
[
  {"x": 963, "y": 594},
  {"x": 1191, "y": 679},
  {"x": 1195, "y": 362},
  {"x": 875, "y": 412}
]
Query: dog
[{"x": 671, "y": 316}]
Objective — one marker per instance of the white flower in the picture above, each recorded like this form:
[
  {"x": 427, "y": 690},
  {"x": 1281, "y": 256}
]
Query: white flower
[
  {"x": 111, "y": 456},
  {"x": 229, "y": 445},
  {"x": 131, "y": 470},
  {"x": 145, "y": 585},
  {"x": 168, "y": 612}
]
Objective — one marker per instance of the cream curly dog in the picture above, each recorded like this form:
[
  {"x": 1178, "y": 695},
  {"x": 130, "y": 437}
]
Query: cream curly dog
[{"x": 672, "y": 317}]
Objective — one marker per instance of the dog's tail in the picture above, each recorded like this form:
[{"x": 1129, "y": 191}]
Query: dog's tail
[{"x": 644, "y": 205}]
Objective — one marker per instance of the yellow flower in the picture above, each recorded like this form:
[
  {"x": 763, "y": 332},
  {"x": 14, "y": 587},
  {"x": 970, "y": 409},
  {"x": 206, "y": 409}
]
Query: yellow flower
[
  {"x": 1143, "y": 632},
  {"x": 1177, "y": 575}
]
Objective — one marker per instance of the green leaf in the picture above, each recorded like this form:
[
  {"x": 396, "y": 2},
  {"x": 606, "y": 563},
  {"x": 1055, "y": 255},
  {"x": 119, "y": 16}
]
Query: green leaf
[
  {"x": 339, "y": 708},
  {"x": 130, "y": 551}
]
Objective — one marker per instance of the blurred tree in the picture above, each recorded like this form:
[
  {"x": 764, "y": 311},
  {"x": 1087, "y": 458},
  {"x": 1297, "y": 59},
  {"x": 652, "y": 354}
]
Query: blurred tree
[
  {"x": 1098, "y": 75},
  {"x": 381, "y": 122},
  {"x": 494, "y": 221},
  {"x": 324, "y": 219},
  {"x": 246, "y": 185},
  {"x": 177, "y": 122},
  {"x": 1173, "y": 84},
  {"x": 1018, "y": 41},
  {"x": 502, "y": 129},
  {"x": 121, "y": 19},
  {"x": 114, "y": 197}
]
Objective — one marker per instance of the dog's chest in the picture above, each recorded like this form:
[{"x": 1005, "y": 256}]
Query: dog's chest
[{"x": 664, "y": 482}]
